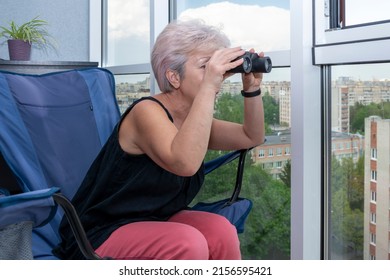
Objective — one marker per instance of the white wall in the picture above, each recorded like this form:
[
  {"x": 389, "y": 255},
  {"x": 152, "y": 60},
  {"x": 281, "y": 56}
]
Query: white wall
[{"x": 68, "y": 24}]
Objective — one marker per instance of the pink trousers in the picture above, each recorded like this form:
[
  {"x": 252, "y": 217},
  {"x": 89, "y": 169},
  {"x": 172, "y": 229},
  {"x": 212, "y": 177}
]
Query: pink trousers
[{"x": 188, "y": 235}]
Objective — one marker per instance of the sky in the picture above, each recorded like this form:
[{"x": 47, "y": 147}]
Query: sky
[
  {"x": 247, "y": 26},
  {"x": 261, "y": 24},
  {"x": 285, "y": 4},
  {"x": 246, "y": 23}
]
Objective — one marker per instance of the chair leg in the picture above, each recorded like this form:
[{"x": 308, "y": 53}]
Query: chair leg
[{"x": 76, "y": 226}]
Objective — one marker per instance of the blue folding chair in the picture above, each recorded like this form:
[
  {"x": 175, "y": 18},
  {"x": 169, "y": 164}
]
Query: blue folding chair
[{"x": 52, "y": 126}]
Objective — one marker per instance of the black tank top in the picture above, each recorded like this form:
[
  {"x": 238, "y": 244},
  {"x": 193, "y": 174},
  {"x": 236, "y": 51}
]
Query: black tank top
[{"x": 120, "y": 188}]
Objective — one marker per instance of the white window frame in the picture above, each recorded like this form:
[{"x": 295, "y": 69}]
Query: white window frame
[
  {"x": 374, "y": 154},
  {"x": 374, "y": 175},
  {"x": 159, "y": 18},
  {"x": 373, "y": 217},
  {"x": 261, "y": 153},
  {"x": 345, "y": 45},
  {"x": 95, "y": 31},
  {"x": 337, "y": 47},
  {"x": 305, "y": 136},
  {"x": 372, "y": 238},
  {"x": 373, "y": 196}
]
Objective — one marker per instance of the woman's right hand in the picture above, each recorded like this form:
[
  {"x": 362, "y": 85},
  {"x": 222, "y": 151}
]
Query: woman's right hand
[{"x": 220, "y": 62}]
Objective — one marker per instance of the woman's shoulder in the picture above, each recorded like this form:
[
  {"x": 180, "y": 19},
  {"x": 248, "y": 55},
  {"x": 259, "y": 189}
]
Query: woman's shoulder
[{"x": 149, "y": 106}]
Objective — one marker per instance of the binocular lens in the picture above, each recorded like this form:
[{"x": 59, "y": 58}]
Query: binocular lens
[{"x": 247, "y": 64}]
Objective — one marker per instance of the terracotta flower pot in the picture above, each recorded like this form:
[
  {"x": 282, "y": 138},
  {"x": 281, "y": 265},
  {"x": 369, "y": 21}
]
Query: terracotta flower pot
[{"x": 19, "y": 50}]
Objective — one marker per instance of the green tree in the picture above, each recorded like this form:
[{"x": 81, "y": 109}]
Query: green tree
[
  {"x": 347, "y": 225},
  {"x": 229, "y": 107},
  {"x": 359, "y": 112},
  {"x": 267, "y": 234},
  {"x": 285, "y": 176},
  {"x": 271, "y": 110},
  {"x": 347, "y": 202}
]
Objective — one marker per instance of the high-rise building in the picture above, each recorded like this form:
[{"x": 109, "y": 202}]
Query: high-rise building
[
  {"x": 340, "y": 109},
  {"x": 377, "y": 189},
  {"x": 285, "y": 106}
]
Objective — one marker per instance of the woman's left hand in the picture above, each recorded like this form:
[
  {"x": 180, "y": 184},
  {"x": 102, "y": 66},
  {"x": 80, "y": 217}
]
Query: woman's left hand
[{"x": 251, "y": 81}]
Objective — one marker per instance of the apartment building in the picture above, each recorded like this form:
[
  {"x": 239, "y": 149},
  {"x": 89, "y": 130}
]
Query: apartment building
[
  {"x": 274, "y": 153},
  {"x": 285, "y": 106},
  {"x": 346, "y": 145},
  {"x": 377, "y": 189},
  {"x": 340, "y": 106}
]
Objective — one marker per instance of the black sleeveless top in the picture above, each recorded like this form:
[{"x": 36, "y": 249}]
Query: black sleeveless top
[{"x": 120, "y": 188}]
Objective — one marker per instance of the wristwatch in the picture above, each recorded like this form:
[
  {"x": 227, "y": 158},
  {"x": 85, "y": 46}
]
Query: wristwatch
[{"x": 251, "y": 94}]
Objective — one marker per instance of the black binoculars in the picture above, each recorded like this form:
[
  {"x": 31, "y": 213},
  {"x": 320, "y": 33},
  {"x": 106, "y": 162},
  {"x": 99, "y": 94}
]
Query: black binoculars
[{"x": 253, "y": 63}]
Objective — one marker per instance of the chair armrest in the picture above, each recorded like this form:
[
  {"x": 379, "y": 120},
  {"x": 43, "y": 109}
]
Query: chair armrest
[
  {"x": 239, "y": 175},
  {"x": 227, "y": 158}
]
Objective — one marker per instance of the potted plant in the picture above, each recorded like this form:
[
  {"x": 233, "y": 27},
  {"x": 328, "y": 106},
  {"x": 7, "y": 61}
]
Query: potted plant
[{"x": 20, "y": 38}]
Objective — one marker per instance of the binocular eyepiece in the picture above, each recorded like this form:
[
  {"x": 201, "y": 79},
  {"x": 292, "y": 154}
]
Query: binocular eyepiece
[{"x": 253, "y": 63}]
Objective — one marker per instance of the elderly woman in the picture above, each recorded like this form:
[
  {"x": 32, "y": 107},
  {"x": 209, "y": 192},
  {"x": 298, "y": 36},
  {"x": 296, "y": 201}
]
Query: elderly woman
[{"x": 134, "y": 199}]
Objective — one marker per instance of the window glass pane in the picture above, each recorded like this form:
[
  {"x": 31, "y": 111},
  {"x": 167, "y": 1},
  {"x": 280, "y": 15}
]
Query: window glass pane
[
  {"x": 247, "y": 23},
  {"x": 360, "y": 190},
  {"x": 128, "y": 39},
  {"x": 267, "y": 176},
  {"x": 363, "y": 11},
  {"x": 130, "y": 88}
]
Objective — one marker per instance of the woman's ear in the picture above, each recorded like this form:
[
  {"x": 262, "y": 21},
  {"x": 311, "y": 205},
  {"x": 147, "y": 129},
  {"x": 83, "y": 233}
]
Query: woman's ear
[{"x": 173, "y": 78}]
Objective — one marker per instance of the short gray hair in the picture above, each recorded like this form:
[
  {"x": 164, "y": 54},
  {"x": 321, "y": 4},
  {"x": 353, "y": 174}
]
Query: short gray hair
[{"x": 176, "y": 42}]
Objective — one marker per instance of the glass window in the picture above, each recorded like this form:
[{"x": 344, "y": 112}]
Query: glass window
[
  {"x": 261, "y": 153},
  {"x": 373, "y": 175},
  {"x": 130, "y": 88},
  {"x": 363, "y": 11},
  {"x": 269, "y": 221},
  {"x": 247, "y": 23},
  {"x": 373, "y": 196},
  {"x": 373, "y": 154},
  {"x": 373, "y": 217},
  {"x": 128, "y": 32},
  {"x": 357, "y": 206}
]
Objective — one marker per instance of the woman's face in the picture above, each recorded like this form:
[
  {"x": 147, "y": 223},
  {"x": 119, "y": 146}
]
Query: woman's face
[{"x": 194, "y": 72}]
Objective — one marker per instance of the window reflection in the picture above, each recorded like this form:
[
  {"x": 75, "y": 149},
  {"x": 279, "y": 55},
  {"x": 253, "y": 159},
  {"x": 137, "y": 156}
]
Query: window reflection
[
  {"x": 128, "y": 32},
  {"x": 363, "y": 11},
  {"x": 131, "y": 87},
  {"x": 360, "y": 159}
]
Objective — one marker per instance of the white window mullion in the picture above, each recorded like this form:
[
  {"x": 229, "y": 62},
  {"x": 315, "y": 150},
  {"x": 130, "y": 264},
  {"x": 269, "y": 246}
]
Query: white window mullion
[
  {"x": 159, "y": 18},
  {"x": 305, "y": 137},
  {"x": 95, "y": 31}
]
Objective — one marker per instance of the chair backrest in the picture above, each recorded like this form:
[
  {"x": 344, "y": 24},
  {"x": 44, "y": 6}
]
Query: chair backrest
[{"x": 51, "y": 128}]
